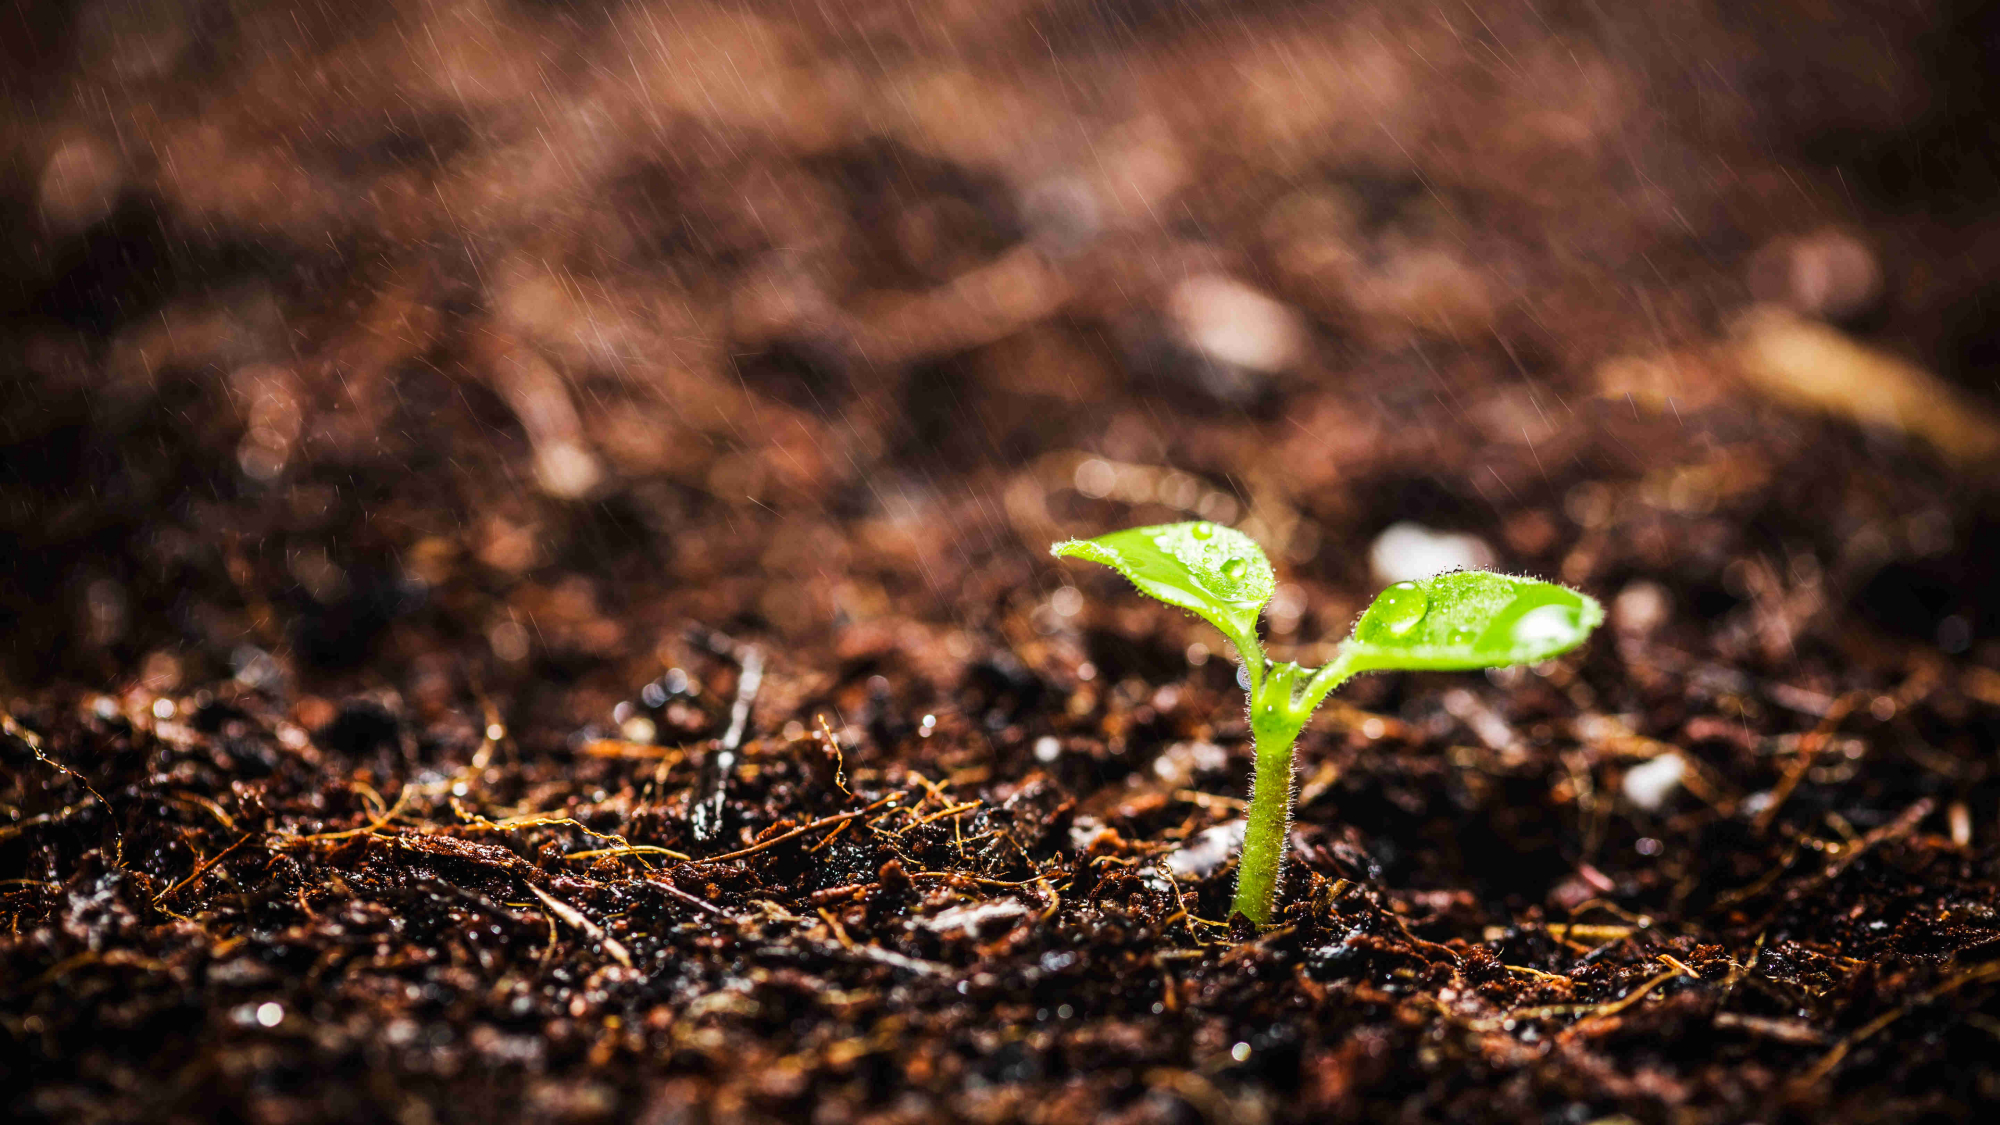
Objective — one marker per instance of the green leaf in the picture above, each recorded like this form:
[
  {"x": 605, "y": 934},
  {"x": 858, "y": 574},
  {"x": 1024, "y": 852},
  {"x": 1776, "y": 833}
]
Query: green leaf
[
  {"x": 1218, "y": 572},
  {"x": 1469, "y": 619}
]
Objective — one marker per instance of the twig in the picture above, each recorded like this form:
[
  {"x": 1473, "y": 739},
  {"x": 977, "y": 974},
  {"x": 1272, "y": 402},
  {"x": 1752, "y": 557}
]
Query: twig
[
  {"x": 201, "y": 869},
  {"x": 839, "y": 759},
  {"x": 629, "y": 849},
  {"x": 830, "y": 837},
  {"x": 1873, "y": 1027},
  {"x": 1905, "y": 822},
  {"x": 1782, "y": 1030},
  {"x": 1209, "y": 800},
  {"x": 543, "y": 820},
  {"x": 1606, "y": 1011},
  {"x": 375, "y": 823},
  {"x": 900, "y": 961},
  {"x": 691, "y": 900},
  {"x": 1808, "y": 753},
  {"x": 592, "y": 930},
  {"x": 1676, "y": 963},
  {"x": 761, "y": 845},
  {"x": 619, "y": 748},
  {"x": 33, "y": 742},
  {"x": 952, "y": 810},
  {"x": 839, "y": 931}
]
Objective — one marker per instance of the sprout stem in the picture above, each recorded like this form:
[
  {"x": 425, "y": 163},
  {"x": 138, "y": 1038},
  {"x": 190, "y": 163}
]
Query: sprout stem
[
  {"x": 1270, "y": 818},
  {"x": 1282, "y": 701}
]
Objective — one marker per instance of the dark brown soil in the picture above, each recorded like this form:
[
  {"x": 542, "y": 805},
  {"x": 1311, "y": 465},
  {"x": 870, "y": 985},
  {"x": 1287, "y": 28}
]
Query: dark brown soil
[{"x": 527, "y": 598}]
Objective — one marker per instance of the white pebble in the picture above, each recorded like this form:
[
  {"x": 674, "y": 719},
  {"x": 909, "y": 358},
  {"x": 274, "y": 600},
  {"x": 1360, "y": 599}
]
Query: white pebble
[
  {"x": 1208, "y": 850},
  {"x": 971, "y": 916},
  {"x": 1234, "y": 324},
  {"x": 1406, "y": 552},
  {"x": 1648, "y": 784},
  {"x": 1641, "y": 607}
]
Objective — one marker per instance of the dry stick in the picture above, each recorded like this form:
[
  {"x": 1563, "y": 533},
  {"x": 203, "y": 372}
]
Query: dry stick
[
  {"x": 901, "y": 961},
  {"x": 543, "y": 820},
  {"x": 590, "y": 929},
  {"x": 619, "y": 748},
  {"x": 707, "y": 818},
  {"x": 33, "y": 742},
  {"x": 9, "y": 831},
  {"x": 374, "y": 824},
  {"x": 1833, "y": 1058},
  {"x": 1796, "y": 1032},
  {"x": 966, "y": 807},
  {"x": 1808, "y": 753},
  {"x": 691, "y": 900},
  {"x": 839, "y": 759},
  {"x": 841, "y": 818},
  {"x": 830, "y": 837},
  {"x": 976, "y": 880},
  {"x": 1738, "y": 971},
  {"x": 628, "y": 849},
  {"x": 1606, "y": 1011},
  {"x": 1903, "y": 825},
  {"x": 1676, "y": 963},
  {"x": 201, "y": 869}
]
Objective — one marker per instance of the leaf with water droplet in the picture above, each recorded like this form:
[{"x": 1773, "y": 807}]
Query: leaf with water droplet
[
  {"x": 1396, "y": 611},
  {"x": 1215, "y": 571},
  {"x": 1469, "y": 619}
]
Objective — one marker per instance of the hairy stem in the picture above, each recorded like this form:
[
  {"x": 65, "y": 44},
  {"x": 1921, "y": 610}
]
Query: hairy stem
[
  {"x": 1264, "y": 837},
  {"x": 1275, "y": 722},
  {"x": 1282, "y": 701}
]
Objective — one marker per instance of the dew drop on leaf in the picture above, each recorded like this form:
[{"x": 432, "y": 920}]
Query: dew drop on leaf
[
  {"x": 1396, "y": 611},
  {"x": 1538, "y": 619},
  {"x": 1202, "y": 531},
  {"x": 1234, "y": 568}
]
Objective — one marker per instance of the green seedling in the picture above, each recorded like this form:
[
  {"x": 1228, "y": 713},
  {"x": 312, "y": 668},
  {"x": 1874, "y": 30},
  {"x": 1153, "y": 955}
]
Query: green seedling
[{"x": 1456, "y": 621}]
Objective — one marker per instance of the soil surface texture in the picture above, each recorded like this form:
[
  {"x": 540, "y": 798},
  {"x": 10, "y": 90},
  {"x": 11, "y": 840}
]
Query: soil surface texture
[{"x": 527, "y": 591}]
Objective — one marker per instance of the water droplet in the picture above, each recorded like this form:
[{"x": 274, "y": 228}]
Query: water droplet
[
  {"x": 1545, "y": 620},
  {"x": 1462, "y": 635},
  {"x": 1234, "y": 568},
  {"x": 1202, "y": 531},
  {"x": 1397, "y": 610}
]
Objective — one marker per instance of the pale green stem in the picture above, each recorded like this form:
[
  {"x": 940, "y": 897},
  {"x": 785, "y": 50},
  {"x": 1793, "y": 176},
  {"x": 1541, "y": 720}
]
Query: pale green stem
[
  {"x": 1277, "y": 715},
  {"x": 1270, "y": 819}
]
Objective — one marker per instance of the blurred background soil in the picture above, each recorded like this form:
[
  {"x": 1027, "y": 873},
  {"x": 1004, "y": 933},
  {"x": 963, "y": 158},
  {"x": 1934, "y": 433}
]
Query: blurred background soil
[{"x": 454, "y": 400}]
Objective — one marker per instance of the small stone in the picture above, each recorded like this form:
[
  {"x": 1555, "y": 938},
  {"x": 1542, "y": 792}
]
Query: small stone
[
  {"x": 1641, "y": 607},
  {"x": 1208, "y": 850},
  {"x": 1232, "y": 323},
  {"x": 1828, "y": 274},
  {"x": 1649, "y": 784},
  {"x": 1406, "y": 552}
]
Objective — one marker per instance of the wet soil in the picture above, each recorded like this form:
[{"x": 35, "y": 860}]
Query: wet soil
[{"x": 527, "y": 592}]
